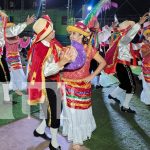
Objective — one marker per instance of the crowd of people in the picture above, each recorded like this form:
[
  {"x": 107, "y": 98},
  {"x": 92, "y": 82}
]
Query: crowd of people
[{"x": 60, "y": 76}]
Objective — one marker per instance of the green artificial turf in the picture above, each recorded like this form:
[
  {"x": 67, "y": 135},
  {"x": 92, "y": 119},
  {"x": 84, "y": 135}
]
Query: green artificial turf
[
  {"x": 10, "y": 113},
  {"x": 103, "y": 137}
]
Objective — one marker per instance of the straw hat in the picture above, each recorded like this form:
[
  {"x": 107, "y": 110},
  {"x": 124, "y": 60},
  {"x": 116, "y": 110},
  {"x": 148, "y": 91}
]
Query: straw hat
[
  {"x": 3, "y": 14},
  {"x": 146, "y": 24},
  {"x": 146, "y": 31},
  {"x": 80, "y": 28},
  {"x": 146, "y": 27},
  {"x": 42, "y": 27}
]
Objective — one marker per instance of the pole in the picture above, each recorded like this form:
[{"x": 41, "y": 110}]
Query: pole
[
  {"x": 68, "y": 12},
  {"x": 43, "y": 6}
]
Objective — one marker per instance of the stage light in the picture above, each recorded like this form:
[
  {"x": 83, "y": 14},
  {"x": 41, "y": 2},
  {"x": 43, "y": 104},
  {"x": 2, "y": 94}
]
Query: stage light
[{"x": 89, "y": 8}]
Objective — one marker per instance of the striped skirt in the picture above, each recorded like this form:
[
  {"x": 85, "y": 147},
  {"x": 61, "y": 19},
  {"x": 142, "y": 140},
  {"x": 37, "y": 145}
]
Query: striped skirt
[{"x": 78, "y": 121}]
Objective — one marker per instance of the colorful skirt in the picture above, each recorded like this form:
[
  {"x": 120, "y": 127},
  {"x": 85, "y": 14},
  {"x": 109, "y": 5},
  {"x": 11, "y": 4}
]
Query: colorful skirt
[
  {"x": 78, "y": 121},
  {"x": 146, "y": 72}
]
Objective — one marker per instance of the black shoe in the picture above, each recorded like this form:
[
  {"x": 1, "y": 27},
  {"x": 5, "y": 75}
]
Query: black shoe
[
  {"x": 98, "y": 86},
  {"x": 14, "y": 102},
  {"x": 44, "y": 136},
  {"x": 53, "y": 148},
  {"x": 128, "y": 110},
  {"x": 115, "y": 99}
]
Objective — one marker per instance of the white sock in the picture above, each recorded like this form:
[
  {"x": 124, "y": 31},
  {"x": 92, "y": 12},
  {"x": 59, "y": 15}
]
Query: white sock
[
  {"x": 97, "y": 80},
  {"x": 6, "y": 92},
  {"x": 54, "y": 132},
  {"x": 127, "y": 100},
  {"x": 116, "y": 92},
  {"x": 41, "y": 128}
]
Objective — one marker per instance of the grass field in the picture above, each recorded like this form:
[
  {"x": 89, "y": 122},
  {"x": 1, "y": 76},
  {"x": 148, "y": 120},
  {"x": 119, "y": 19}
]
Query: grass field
[{"x": 115, "y": 130}]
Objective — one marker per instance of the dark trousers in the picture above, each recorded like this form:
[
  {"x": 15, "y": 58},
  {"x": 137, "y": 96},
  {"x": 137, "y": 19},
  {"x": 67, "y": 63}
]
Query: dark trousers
[
  {"x": 126, "y": 78},
  {"x": 54, "y": 107},
  {"x": 4, "y": 71}
]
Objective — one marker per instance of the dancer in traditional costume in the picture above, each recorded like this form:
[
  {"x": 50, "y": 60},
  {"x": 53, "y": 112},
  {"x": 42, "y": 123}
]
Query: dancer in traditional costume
[
  {"x": 145, "y": 52},
  {"x": 121, "y": 60},
  {"x": 44, "y": 66},
  {"x": 18, "y": 80},
  {"x": 8, "y": 32},
  {"x": 78, "y": 119}
]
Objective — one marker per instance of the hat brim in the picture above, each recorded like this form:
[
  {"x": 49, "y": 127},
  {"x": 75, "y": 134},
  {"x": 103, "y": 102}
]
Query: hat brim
[
  {"x": 75, "y": 29},
  {"x": 3, "y": 14}
]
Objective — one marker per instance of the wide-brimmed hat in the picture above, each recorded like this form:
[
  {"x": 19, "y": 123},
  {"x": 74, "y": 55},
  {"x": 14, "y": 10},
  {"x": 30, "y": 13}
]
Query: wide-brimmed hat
[
  {"x": 146, "y": 27},
  {"x": 42, "y": 27},
  {"x": 3, "y": 14},
  {"x": 80, "y": 28},
  {"x": 146, "y": 24},
  {"x": 146, "y": 31},
  {"x": 125, "y": 24}
]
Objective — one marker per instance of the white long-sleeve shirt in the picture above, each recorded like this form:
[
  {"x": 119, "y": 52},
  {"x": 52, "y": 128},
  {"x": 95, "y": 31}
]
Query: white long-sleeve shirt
[
  {"x": 104, "y": 35},
  {"x": 51, "y": 67},
  {"x": 124, "y": 44},
  {"x": 11, "y": 32}
]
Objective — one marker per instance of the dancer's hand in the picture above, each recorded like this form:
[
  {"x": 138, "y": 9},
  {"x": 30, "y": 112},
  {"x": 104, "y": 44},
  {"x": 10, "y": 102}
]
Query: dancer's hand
[
  {"x": 30, "y": 20},
  {"x": 88, "y": 79},
  {"x": 143, "y": 18},
  {"x": 65, "y": 58}
]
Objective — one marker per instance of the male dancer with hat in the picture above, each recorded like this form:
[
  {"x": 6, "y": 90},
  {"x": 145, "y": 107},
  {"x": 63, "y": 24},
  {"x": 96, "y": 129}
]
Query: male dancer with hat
[
  {"x": 44, "y": 68},
  {"x": 122, "y": 58},
  {"x": 8, "y": 32}
]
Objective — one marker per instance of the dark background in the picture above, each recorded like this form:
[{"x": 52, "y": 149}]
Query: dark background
[{"x": 126, "y": 7}]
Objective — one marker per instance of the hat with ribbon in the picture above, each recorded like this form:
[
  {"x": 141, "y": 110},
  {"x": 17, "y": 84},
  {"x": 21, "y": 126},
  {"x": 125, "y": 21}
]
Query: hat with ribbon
[
  {"x": 42, "y": 27},
  {"x": 146, "y": 27},
  {"x": 147, "y": 31},
  {"x": 80, "y": 28}
]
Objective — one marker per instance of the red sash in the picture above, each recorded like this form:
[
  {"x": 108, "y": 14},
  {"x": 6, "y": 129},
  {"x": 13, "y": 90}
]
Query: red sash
[
  {"x": 36, "y": 79},
  {"x": 111, "y": 57}
]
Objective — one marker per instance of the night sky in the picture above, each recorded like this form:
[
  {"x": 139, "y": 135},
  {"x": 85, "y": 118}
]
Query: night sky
[
  {"x": 132, "y": 7},
  {"x": 126, "y": 7}
]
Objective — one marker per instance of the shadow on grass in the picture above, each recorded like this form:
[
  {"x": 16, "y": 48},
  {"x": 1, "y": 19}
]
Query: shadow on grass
[
  {"x": 103, "y": 137},
  {"x": 130, "y": 118},
  {"x": 18, "y": 110}
]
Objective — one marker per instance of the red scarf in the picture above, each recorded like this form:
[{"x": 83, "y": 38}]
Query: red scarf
[
  {"x": 111, "y": 57},
  {"x": 36, "y": 79},
  {"x": 112, "y": 53}
]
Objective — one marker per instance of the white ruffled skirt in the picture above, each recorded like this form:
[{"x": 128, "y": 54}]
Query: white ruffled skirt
[
  {"x": 18, "y": 80},
  {"x": 77, "y": 124}
]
